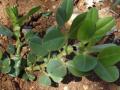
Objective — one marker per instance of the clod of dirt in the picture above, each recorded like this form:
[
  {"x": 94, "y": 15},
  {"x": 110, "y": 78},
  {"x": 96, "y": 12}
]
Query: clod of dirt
[{"x": 7, "y": 83}]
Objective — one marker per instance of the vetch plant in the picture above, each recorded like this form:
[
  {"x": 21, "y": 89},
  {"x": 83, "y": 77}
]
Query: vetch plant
[
  {"x": 11, "y": 60},
  {"x": 48, "y": 54}
]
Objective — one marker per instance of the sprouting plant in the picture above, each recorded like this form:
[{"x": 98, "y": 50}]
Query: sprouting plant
[
  {"x": 48, "y": 55},
  {"x": 13, "y": 63}
]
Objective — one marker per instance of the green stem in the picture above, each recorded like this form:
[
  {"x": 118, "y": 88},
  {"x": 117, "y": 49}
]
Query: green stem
[
  {"x": 66, "y": 45},
  {"x": 82, "y": 47},
  {"x": 18, "y": 43},
  {"x": 66, "y": 49}
]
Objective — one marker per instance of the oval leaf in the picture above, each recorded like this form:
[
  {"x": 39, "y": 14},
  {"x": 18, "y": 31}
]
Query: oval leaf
[
  {"x": 54, "y": 39},
  {"x": 109, "y": 74},
  {"x": 5, "y": 66},
  {"x": 87, "y": 27},
  {"x": 36, "y": 46},
  {"x": 64, "y": 12},
  {"x": 85, "y": 63},
  {"x": 110, "y": 55},
  {"x": 5, "y": 31},
  {"x": 56, "y": 68},
  {"x": 56, "y": 79},
  {"x": 44, "y": 80},
  {"x": 104, "y": 25},
  {"x": 73, "y": 70},
  {"x": 99, "y": 48},
  {"x": 76, "y": 25}
]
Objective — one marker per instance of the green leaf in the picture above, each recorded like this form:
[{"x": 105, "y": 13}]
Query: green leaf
[
  {"x": 85, "y": 63},
  {"x": 36, "y": 46},
  {"x": 33, "y": 11},
  {"x": 110, "y": 56},
  {"x": 99, "y": 48},
  {"x": 46, "y": 14},
  {"x": 31, "y": 58},
  {"x": 29, "y": 35},
  {"x": 28, "y": 76},
  {"x": 73, "y": 70},
  {"x": 22, "y": 20},
  {"x": 76, "y": 25},
  {"x": 108, "y": 74},
  {"x": 44, "y": 80},
  {"x": 13, "y": 14},
  {"x": 64, "y": 12},
  {"x": 1, "y": 54},
  {"x": 54, "y": 39},
  {"x": 5, "y": 66},
  {"x": 56, "y": 68},
  {"x": 31, "y": 76},
  {"x": 11, "y": 49},
  {"x": 56, "y": 79},
  {"x": 25, "y": 76},
  {"x": 5, "y": 31},
  {"x": 87, "y": 27},
  {"x": 103, "y": 25}
]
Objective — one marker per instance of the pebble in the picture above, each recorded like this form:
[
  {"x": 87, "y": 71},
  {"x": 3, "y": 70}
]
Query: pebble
[
  {"x": 66, "y": 88},
  {"x": 85, "y": 87}
]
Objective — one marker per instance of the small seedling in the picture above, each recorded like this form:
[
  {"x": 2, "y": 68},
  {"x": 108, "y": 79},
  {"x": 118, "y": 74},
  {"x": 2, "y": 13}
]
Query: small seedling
[{"x": 48, "y": 55}]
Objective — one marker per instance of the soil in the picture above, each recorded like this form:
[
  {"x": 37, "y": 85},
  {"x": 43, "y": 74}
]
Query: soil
[
  {"x": 9, "y": 83},
  {"x": 41, "y": 24}
]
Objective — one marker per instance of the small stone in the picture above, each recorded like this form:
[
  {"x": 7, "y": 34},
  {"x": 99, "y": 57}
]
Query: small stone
[
  {"x": 66, "y": 88},
  {"x": 54, "y": 7},
  {"x": 85, "y": 87}
]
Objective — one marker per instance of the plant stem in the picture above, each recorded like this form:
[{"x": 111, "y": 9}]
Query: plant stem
[
  {"x": 82, "y": 47},
  {"x": 66, "y": 45},
  {"x": 66, "y": 49},
  {"x": 18, "y": 43}
]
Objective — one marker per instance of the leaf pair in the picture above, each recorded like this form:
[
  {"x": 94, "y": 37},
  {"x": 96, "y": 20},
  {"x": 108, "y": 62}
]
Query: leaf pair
[
  {"x": 53, "y": 40},
  {"x": 64, "y": 12},
  {"x": 106, "y": 68},
  {"x": 103, "y": 26},
  {"x": 14, "y": 15},
  {"x": 84, "y": 25},
  {"x": 88, "y": 26},
  {"x": 75, "y": 70},
  {"x": 82, "y": 64},
  {"x": 56, "y": 71}
]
